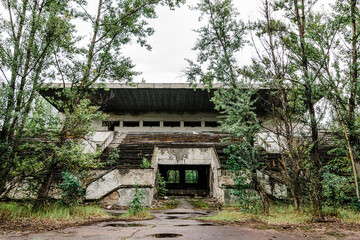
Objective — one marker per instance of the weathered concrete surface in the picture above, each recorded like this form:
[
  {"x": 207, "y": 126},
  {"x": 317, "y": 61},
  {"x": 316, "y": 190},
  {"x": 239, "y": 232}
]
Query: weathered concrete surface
[
  {"x": 184, "y": 156},
  {"x": 118, "y": 178},
  {"x": 177, "y": 221},
  {"x": 127, "y": 195}
]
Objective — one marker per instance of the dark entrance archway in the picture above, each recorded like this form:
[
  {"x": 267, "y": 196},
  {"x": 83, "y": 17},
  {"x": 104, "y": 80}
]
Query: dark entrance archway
[{"x": 186, "y": 179}]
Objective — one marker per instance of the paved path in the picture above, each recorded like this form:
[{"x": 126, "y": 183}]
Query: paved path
[{"x": 172, "y": 224}]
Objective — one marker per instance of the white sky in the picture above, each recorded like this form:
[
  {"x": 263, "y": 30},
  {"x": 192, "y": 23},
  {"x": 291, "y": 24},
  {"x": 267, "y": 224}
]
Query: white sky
[{"x": 173, "y": 40}]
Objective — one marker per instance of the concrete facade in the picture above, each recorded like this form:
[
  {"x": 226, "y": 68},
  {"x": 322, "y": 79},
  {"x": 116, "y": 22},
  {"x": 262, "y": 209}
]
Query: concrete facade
[{"x": 170, "y": 125}]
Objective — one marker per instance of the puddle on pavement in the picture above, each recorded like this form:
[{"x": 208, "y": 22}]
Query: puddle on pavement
[
  {"x": 172, "y": 217},
  {"x": 166, "y": 235},
  {"x": 206, "y": 224},
  {"x": 171, "y": 213},
  {"x": 124, "y": 225}
]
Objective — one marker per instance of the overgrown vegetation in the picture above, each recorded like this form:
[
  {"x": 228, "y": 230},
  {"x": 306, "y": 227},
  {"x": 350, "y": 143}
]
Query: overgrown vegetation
[
  {"x": 300, "y": 57},
  {"x": 51, "y": 212},
  {"x": 137, "y": 209},
  {"x": 161, "y": 185},
  {"x": 283, "y": 214},
  {"x": 145, "y": 163},
  {"x": 40, "y": 43},
  {"x": 73, "y": 191}
]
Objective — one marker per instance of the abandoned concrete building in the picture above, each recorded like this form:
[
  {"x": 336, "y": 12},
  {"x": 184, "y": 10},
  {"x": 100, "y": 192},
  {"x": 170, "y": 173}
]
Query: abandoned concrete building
[
  {"x": 176, "y": 130},
  {"x": 173, "y": 128}
]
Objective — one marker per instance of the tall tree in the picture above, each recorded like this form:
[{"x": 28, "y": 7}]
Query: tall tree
[
  {"x": 31, "y": 30},
  {"x": 114, "y": 24},
  {"x": 218, "y": 46},
  {"x": 40, "y": 43}
]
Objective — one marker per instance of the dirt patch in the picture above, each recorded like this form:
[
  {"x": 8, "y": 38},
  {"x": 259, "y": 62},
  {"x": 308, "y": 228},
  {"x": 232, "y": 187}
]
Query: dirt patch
[
  {"x": 336, "y": 229},
  {"x": 165, "y": 203},
  {"x": 29, "y": 226}
]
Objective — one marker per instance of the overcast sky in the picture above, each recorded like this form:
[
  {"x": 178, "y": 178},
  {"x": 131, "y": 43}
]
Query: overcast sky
[{"x": 173, "y": 40}]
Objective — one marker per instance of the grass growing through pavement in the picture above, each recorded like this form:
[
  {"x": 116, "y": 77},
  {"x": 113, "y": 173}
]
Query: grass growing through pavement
[
  {"x": 198, "y": 203},
  {"x": 143, "y": 214},
  {"x": 51, "y": 212}
]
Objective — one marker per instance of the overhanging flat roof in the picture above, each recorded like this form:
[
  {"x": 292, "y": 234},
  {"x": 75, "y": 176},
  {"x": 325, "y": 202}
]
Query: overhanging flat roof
[{"x": 147, "y": 97}]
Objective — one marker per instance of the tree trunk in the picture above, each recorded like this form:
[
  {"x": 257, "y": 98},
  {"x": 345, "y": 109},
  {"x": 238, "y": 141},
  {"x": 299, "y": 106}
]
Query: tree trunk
[{"x": 44, "y": 189}]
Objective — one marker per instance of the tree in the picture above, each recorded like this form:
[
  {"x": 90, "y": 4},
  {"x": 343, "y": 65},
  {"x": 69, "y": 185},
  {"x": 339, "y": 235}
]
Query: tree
[
  {"x": 220, "y": 40},
  {"x": 271, "y": 68},
  {"x": 341, "y": 77},
  {"x": 31, "y": 30},
  {"x": 81, "y": 66}
]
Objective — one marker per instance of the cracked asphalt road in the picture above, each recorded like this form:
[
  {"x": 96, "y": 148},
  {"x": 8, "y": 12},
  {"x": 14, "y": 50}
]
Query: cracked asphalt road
[{"x": 173, "y": 224}]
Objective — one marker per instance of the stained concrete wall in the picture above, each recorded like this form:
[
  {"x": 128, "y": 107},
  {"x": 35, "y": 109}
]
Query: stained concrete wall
[
  {"x": 155, "y": 116},
  {"x": 215, "y": 177},
  {"x": 184, "y": 156},
  {"x": 122, "y": 181}
]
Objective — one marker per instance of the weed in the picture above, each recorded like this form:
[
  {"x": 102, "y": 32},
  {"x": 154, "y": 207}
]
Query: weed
[
  {"x": 52, "y": 212},
  {"x": 145, "y": 163},
  {"x": 137, "y": 209},
  {"x": 161, "y": 185}
]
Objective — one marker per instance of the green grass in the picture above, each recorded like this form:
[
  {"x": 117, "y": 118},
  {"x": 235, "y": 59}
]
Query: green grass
[
  {"x": 52, "y": 212},
  {"x": 281, "y": 214},
  {"x": 347, "y": 215},
  {"x": 198, "y": 203},
  {"x": 142, "y": 214},
  {"x": 278, "y": 215}
]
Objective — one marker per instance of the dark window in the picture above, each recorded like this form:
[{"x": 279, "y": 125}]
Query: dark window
[
  {"x": 211, "y": 124},
  {"x": 171, "y": 123},
  {"x": 173, "y": 176},
  {"x": 192, "y": 124},
  {"x": 151, "y": 124},
  {"x": 131, "y": 124},
  {"x": 111, "y": 124},
  {"x": 191, "y": 176}
]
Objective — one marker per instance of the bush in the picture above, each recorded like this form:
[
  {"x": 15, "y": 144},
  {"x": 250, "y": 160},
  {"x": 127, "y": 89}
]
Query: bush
[
  {"x": 136, "y": 205},
  {"x": 72, "y": 190},
  {"x": 161, "y": 185},
  {"x": 145, "y": 163}
]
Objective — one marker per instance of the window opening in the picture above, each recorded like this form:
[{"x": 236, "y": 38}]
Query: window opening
[
  {"x": 173, "y": 176},
  {"x": 211, "y": 124},
  {"x": 131, "y": 123},
  {"x": 192, "y": 124},
  {"x": 171, "y": 123},
  {"x": 151, "y": 124},
  {"x": 111, "y": 124},
  {"x": 191, "y": 176}
]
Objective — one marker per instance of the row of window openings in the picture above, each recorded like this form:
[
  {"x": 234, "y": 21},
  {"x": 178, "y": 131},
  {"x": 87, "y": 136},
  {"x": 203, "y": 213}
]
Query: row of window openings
[
  {"x": 112, "y": 124},
  {"x": 191, "y": 176}
]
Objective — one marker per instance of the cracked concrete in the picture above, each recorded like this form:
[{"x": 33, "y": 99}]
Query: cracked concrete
[{"x": 173, "y": 224}]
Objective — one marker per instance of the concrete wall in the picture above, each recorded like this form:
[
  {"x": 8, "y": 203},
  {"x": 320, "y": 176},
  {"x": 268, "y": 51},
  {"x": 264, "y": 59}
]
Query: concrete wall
[
  {"x": 155, "y": 116},
  {"x": 184, "y": 156},
  {"x": 216, "y": 190},
  {"x": 122, "y": 181}
]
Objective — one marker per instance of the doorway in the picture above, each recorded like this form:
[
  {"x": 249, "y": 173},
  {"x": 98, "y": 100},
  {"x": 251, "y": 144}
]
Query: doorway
[{"x": 186, "y": 180}]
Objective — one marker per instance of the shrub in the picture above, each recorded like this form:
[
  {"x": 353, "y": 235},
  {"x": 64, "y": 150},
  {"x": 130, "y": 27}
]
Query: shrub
[
  {"x": 136, "y": 205},
  {"x": 72, "y": 190},
  {"x": 145, "y": 163},
  {"x": 161, "y": 185}
]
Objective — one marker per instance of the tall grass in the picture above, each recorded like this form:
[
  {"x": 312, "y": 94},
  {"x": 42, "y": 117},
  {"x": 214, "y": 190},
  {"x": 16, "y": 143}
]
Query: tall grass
[
  {"x": 278, "y": 215},
  {"x": 54, "y": 212},
  {"x": 284, "y": 214},
  {"x": 142, "y": 214}
]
